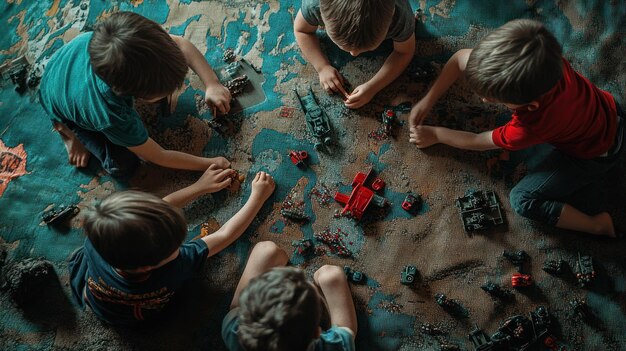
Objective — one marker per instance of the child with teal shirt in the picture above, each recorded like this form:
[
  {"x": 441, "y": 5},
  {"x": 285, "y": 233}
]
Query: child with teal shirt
[{"x": 89, "y": 86}]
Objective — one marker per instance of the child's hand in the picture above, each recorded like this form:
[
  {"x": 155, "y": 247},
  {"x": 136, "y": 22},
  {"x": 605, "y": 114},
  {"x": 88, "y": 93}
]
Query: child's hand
[
  {"x": 220, "y": 162},
  {"x": 218, "y": 96},
  {"x": 262, "y": 186},
  {"x": 360, "y": 96},
  {"x": 332, "y": 81},
  {"x": 215, "y": 179},
  {"x": 423, "y": 136},
  {"x": 418, "y": 113}
]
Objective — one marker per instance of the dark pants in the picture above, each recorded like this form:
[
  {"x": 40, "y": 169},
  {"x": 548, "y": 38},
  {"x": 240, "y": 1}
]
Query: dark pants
[
  {"x": 116, "y": 160},
  {"x": 561, "y": 179}
]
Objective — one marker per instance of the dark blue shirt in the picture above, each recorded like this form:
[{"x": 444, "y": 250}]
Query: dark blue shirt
[{"x": 124, "y": 299}]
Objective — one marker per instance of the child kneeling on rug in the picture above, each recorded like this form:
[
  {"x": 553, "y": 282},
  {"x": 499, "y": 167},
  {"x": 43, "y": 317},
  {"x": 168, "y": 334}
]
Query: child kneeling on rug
[
  {"x": 276, "y": 309},
  {"x": 134, "y": 259},
  {"x": 520, "y": 66},
  {"x": 89, "y": 86}
]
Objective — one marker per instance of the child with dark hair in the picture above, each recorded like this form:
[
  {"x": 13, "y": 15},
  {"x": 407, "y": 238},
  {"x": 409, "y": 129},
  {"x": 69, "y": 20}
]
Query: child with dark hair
[
  {"x": 357, "y": 26},
  {"x": 520, "y": 65},
  {"x": 275, "y": 308},
  {"x": 89, "y": 85},
  {"x": 134, "y": 258}
]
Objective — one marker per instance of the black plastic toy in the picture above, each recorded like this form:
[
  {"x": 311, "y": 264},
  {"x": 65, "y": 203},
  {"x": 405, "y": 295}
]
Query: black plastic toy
[
  {"x": 412, "y": 203},
  {"x": 580, "y": 310},
  {"x": 317, "y": 121},
  {"x": 407, "y": 277},
  {"x": 304, "y": 247},
  {"x": 479, "y": 210},
  {"x": 354, "y": 276},
  {"x": 496, "y": 290},
  {"x": 59, "y": 215},
  {"x": 517, "y": 258},
  {"x": 451, "y": 306},
  {"x": 584, "y": 270},
  {"x": 555, "y": 267}
]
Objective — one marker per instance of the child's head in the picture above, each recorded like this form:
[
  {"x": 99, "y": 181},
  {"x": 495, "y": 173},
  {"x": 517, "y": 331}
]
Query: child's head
[
  {"x": 132, "y": 229},
  {"x": 515, "y": 64},
  {"x": 279, "y": 311},
  {"x": 357, "y": 25},
  {"x": 136, "y": 57}
]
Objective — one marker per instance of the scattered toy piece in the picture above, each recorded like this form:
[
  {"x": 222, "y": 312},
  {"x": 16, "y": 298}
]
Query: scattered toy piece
[
  {"x": 479, "y": 210},
  {"x": 63, "y": 213},
  {"x": 317, "y": 121},
  {"x": 584, "y": 270},
  {"x": 322, "y": 194},
  {"x": 378, "y": 184},
  {"x": 237, "y": 179},
  {"x": 229, "y": 55},
  {"x": 208, "y": 227},
  {"x": 354, "y": 276},
  {"x": 579, "y": 307},
  {"x": 519, "y": 280},
  {"x": 389, "y": 119},
  {"x": 286, "y": 112},
  {"x": 496, "y": 290},
  {"x": 298, "y": 157},
  {"x": 517, "y": 258},
  {"x": 430, "y": 329},
  {"x": 334, "y": 242},
  {"x": 17, "y": 71},
  {"x": 237, "y": 85},
  {"x": 27, "y": 279},
  {"x": 296, "y": 214},
  {"x": 360, "y": 198},
  {"x": 555, "y": 267},
  {"x": 304, "y": 247},
  {"x": 412, "y": 203},
  {"x": 451, "y": 306},
  {"x": 407, "y": 276},
  {"x": 422, "y": 72}
]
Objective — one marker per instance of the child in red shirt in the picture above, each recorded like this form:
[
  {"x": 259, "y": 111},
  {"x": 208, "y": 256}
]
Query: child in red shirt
[{"x": 520, "y": 65}]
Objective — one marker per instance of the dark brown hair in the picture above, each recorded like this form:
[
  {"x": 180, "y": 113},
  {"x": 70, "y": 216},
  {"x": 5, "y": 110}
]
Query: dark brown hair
[
  {"x": 517, "y": 63},
  {"x": 357, "y": 24},
  {"x": 136, "y": 57},
  {"x": 279, "y": 311},
  {"x": 132, "y": 229}
]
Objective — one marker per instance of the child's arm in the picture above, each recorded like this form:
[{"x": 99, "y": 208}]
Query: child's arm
[
  {"x": 394, "y": 65},
  {"x": 334, "y": 285},
  {"x": 215, "y": 94},
  {"x": 262, "y": 188},
  {"x": 450, "y": 73},
  {"x": 330, "y": 79},
  {"x": 153, "y": 152},
  {"x": 213, "y": 179},
  {"x": 425, "y": 136}
]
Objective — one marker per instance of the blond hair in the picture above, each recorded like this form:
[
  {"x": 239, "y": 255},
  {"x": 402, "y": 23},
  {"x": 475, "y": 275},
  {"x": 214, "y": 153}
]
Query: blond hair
[{"x": 517, "y": 63}]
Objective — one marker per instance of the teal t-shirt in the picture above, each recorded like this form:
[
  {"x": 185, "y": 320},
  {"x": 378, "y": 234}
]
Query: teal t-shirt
[
  {"x": 333, "y": 339},
  {"x": 71, "y": 91},
  {"x": 401, "y": 28}
]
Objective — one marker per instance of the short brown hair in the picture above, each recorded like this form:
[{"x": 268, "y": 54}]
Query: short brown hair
[
  {"x": 517, "y": 63},
  {"x": 357, "y": 24},
  {"x": 136, "y": 57},
  {"x": 279, "y": 311},
  {"x": 132, "y": 229}
]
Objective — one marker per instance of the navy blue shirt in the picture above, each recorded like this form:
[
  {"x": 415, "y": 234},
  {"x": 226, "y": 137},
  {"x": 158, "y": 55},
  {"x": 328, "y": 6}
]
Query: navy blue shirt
[{"x": 122, "y": 299}]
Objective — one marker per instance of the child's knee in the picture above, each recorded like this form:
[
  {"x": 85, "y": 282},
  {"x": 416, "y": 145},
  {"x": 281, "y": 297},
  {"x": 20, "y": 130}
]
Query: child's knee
[
  {"x": 521, "y": 201},
  {"x": 269, "y": 249},
  {"x": 330, "y": 275}
]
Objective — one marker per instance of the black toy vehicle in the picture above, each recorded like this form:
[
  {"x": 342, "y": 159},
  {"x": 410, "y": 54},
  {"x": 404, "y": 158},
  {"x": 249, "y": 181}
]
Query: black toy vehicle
[
  {"x": 317, "y": 121},
  {"x": 517, "y": 258},
  {"x": 59, "y": 215},
  {"x": 554, "y": 266},
  {"x": 407, "y": 277},
  {"x": 412, "y": 203},
  {"x": 584, "y": 270},
  {"x": 580, "y": 310},
  {"x": 354, "y": 276},
  {"x": 496, "y": 290},
  {"x": 479, "y": 210},
  {"x": 451, "y": 306}
]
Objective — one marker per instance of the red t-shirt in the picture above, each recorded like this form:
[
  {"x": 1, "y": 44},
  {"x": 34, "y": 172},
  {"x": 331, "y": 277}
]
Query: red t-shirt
[{"x": 575, "y": 117}]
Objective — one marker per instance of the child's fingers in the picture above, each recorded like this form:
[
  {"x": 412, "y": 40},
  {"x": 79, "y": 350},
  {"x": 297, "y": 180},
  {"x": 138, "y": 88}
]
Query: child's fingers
[
  {"x": 225, "y": 173},
  {"x": 213, "y": 166},
  {"x": 257, "y": 176},
  {"x": 342, "y": 90},
  {"x": 223, "y": 184}
]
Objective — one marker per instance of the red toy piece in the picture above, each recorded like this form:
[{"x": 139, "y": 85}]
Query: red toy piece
[
  {"x": 519, "y": 280},
  {"x": 411, "y": 202},
  {"x": 356, "y": 203},
  {"x": 378, "y": 184},
  {"x": 298, "y": 157}
]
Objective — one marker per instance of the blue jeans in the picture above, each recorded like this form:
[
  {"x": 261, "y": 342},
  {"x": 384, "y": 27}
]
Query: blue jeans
[
  {"x": 116, "y": 160},
  {"x": 561, "y": 179}
]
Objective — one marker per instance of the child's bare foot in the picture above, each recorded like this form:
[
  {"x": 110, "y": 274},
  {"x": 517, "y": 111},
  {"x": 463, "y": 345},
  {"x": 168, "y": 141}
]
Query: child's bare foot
[
  {"x": 604, "y": 224},
  {"x": 77, "y": 154}
]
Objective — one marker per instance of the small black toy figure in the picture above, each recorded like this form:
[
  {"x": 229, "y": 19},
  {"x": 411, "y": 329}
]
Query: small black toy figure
[
  {"x": 451, "y": 306},
  {"x": 580, "y": 310},
  {"x": 354, "y": 276},
  {"x": 584, "y": 270},
  {"x": 517, "y": 258},
  {"x": 60, "y": 215},
  {"x": 407, "y": 277},
  {"x": 496, "y": 290},
  {"x": 555, "y": 267}
]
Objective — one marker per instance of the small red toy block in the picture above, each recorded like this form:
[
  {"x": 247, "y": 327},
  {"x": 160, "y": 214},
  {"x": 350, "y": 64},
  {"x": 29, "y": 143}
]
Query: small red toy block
[
  {"x": 361, "y": 196},
  {"x": 286, "y": 112},
  {"x": 519, "y": 280},
  {"x": 378, "y": 184},
  {"x": 298, "y": 157},
  {"x": 411, "y": 202}
]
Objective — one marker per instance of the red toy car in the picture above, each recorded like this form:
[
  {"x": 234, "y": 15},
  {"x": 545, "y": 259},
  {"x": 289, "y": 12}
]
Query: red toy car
[
  {"x": 298, "y": 157},
  {"x": 519, "y": 280},
  {"x": 361, "y": 196}
]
